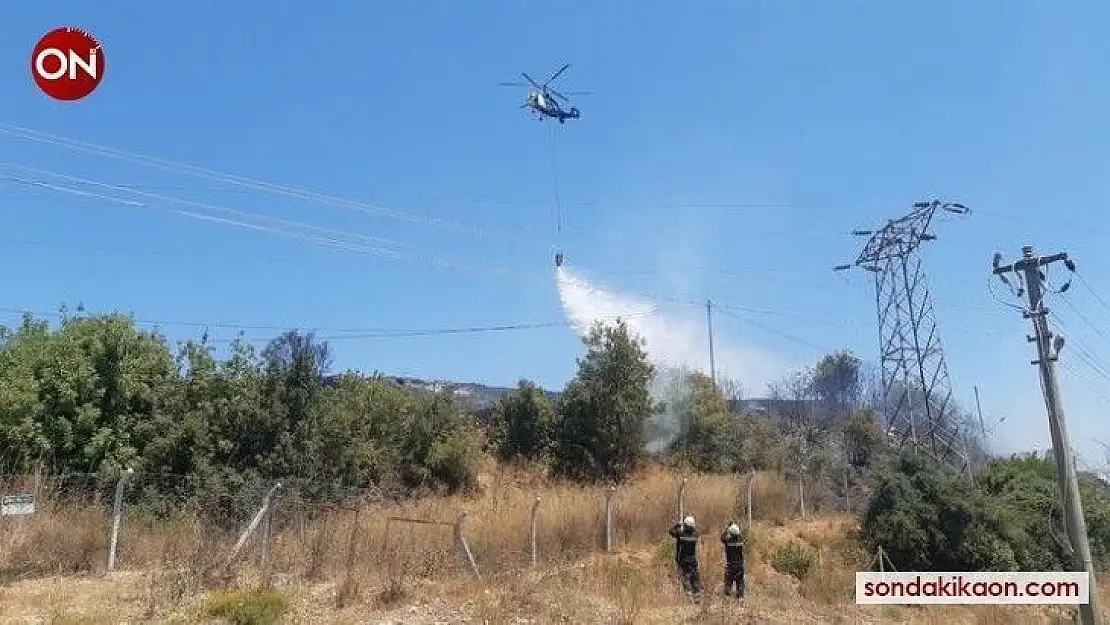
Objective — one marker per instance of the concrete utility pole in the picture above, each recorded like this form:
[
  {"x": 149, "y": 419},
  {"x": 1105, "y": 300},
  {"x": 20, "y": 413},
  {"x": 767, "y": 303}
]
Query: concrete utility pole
[
  {"x": 709, "y": 323},
  {"x": 1048, "y": 352}
]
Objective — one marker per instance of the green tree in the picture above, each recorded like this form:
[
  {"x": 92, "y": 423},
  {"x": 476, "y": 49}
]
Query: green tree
[
  {"x": 836, "y": 381},
  {"x": 603, "y": 410},
  {"x": 294, "y": 365},
  {"x": 83, "y": 397},
  {"x": 705, "y": 442},
  {"x": 523, "y": 423}
]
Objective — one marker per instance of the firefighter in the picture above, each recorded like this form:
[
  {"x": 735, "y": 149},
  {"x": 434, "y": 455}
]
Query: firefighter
[
  {"x": 734, "y": 560},
  {"x": 686, "y": 555}
]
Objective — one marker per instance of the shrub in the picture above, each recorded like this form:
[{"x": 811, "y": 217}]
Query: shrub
[
  {"x": 927, "y": 517},
  {"x": 793, "y": 559},
  {"x": 246, "y": 607},
  {"x": 523, "y": 423},
  {"x": 930, "y": 518}
]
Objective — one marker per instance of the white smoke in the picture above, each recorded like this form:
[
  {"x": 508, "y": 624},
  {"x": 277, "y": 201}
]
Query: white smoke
[{"x": 674, "y": 343}]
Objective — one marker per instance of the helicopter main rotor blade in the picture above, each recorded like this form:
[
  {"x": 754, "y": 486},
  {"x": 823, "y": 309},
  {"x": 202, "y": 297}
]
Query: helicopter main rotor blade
[
  {"x": 579, "y": 93},
  {"x": 556, "y": 74},
  {"x": 512, "y": 84},
  {"x": 529, "y": 79},
  {"x": 558, "y": 95}
]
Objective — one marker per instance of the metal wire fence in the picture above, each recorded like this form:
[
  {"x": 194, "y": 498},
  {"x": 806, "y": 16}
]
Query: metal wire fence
[{"x": 261, "y": 528}]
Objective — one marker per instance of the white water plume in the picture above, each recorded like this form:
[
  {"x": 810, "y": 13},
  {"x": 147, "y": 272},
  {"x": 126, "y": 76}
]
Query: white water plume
[{"x": 675, "y": 343}]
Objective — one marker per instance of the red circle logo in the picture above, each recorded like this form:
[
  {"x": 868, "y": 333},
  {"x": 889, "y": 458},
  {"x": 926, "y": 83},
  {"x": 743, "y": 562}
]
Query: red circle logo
[{"x": 67, "y": 63}]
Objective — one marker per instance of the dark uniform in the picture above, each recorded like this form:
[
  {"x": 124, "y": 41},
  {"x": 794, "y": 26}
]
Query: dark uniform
[
  {"x": 686, "y": 556},
  {"x": 734, "y": 563}
]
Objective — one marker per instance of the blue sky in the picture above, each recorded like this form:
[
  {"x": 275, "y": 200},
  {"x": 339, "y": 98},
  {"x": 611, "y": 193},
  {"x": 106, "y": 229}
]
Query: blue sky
[{"x": 841, "y": 117}]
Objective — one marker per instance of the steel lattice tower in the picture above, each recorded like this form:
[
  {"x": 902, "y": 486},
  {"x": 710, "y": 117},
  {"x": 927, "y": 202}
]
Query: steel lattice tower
[{"x": 916, "y": 390}]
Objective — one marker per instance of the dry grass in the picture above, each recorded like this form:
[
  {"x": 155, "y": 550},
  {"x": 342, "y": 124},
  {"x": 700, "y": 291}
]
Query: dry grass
[{"x": 354, "y": 566}]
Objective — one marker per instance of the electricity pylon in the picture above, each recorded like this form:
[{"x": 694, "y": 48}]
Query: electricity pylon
[{"x": 916, "y": 390}]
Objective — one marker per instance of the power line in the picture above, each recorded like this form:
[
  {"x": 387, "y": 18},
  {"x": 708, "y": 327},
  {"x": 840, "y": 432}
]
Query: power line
[
  {"x": 340, "y": 333},
  {"x": 1083, "y": 353},
  {"x": 291, "y": 229},
  {"x": 1090, "y": 288},
  {"x": 253, "y": 184},
  {"x": 1094, "y": 387},
  {"x": 766, "y": 328},
  {"x": 237, "y": 180},
  {"x": 222, "y": 220},
  {"x": 384, "y": 333},
  {"x": 164, "y": 198},
  {"x": 1080, "y": 314}
]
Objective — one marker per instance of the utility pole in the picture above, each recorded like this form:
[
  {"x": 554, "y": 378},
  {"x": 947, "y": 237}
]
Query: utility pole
[
  {"x": 709, "y": 324},
  {"x": 1048, "y": 351}
]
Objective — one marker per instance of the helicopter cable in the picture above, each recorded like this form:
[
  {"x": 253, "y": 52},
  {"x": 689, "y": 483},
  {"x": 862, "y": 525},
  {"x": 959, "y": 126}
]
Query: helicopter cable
[{"x": 555, "y": 184}]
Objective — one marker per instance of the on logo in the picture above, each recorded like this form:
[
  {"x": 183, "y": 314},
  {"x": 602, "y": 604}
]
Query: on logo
[{"x": 67, "y": 63}]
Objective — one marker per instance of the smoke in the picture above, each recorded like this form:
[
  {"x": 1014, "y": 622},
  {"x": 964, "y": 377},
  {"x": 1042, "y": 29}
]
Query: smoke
[
  {"x": 676, "y": 344},
  {"x": 670, "y": 387}
]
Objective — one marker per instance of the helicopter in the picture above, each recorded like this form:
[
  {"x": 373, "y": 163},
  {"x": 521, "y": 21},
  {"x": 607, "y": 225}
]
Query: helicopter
[{"x": 544, "y": 101}]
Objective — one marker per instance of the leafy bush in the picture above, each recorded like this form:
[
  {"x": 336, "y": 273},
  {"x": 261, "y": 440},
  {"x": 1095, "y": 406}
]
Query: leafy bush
[
  {"x": 523, "y": 423},
  {"x": 930, "y": 518},
  {"x": 246, "y": 607},
  {"x": 1007, "y": 519},
  {"x": 793, "y": 559},
  {"x": 97, "y": 394}
]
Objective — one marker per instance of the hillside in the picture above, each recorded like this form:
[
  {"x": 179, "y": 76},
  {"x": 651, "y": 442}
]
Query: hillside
[{"x": 472, "y": 394}]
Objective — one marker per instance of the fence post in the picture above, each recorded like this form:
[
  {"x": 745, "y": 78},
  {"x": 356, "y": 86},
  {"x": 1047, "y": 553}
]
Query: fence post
[
  {"x": 609, "y": 518},
  {"x": 117, "y": 510},
  {"x": 253, "y": 524},
  {"x": 460, "y": 539},
  {"x": 751, "y": 482},
  {"x": 348, "y": 589},
  {"x": 681, "y": 503},
  {"x": 535, "y": 511},
  {"x": 802, "y": 497},
  {"x": 267, "y": 531},
  {"x": 847, "y": 492}
]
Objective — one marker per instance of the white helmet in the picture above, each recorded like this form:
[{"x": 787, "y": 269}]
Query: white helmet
[
  {"x": 734, "y": 529},
  {"x": 688, "y": 521}
]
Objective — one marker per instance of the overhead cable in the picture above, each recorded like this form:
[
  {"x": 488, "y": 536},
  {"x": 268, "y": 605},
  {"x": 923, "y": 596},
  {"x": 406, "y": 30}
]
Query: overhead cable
[
  {"x": 233, "y": 179},
  {"x": 305, "y": 232}
]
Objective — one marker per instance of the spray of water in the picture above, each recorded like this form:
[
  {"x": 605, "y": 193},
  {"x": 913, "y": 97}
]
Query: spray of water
[{"x": 675, "y": 343}]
